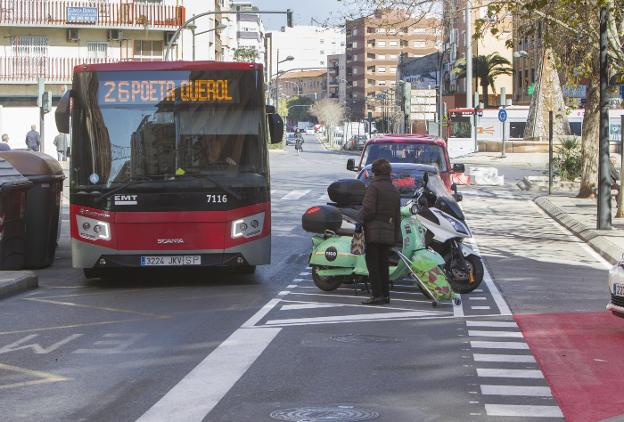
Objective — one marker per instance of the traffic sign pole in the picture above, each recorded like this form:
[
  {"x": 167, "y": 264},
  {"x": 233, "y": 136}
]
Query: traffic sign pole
[{"x": 502, "y": 116}]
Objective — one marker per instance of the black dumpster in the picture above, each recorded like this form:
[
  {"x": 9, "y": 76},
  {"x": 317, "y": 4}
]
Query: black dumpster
[
  {"x": 13, "y": 188},
  {"x": 43, "y": 203}
]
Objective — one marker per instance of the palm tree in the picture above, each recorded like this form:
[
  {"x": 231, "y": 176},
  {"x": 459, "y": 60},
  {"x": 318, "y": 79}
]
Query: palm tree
[{"x": 487, "y": 69}]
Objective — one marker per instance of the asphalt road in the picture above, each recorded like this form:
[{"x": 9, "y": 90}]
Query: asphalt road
[{"x": 220, "y": 347}]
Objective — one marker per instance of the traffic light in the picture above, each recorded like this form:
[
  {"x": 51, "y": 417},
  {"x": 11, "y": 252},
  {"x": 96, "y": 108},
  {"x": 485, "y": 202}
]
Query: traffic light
[
  {"x": 46, "y": 102},
  {"x": 289, "y": 18}
]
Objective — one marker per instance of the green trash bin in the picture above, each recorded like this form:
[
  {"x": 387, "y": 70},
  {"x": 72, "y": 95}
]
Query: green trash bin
[
  {"x": 13, "y": 189},
  {"x": 43, "y": 203}
]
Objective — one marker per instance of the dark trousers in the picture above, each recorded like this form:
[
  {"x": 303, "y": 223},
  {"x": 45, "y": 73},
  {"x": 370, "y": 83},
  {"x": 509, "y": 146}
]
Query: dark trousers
[{"x": 377, "y": 263}]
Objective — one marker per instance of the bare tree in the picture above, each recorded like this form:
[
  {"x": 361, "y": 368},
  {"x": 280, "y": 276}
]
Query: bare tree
[{"x": 328, "y": 112}]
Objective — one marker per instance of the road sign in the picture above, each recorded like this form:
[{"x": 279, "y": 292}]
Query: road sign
[{"x": 502, "y": 115}]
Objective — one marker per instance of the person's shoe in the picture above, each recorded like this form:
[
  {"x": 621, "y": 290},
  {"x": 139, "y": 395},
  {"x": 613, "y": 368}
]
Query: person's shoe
[
  {"x": 386, "y": 299},
  {"x": 374, "y": 301}
]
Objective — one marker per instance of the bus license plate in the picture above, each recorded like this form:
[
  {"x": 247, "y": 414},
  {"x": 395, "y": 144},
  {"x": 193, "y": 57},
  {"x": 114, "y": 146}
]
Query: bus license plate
[
  {"x": 170, "y": 261},
  {"x": 618, "y": 289}
]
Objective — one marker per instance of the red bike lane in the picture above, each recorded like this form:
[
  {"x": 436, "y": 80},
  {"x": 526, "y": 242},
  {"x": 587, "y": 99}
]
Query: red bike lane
[{"x": 580, "y": 355}]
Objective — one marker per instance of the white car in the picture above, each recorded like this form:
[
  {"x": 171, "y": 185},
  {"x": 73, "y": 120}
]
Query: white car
[{"x": 616, "y": 287}]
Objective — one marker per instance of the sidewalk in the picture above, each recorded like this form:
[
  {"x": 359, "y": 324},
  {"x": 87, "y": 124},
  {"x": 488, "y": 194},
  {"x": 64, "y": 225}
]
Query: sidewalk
[
  {"x": 518, "y": 159},
  {"x": 579, "y": 216}
]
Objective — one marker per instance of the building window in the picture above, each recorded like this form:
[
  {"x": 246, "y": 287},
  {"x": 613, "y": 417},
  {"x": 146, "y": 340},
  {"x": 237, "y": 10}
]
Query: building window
[
  {"x": 381, "y": 69},
  {"x": 392, "y": 83},
  {"x": 97, "y": 50},
  {"x": 29, "y": 45},
  {"x": 420, "y": 44},
  {"x": 381, "y": 57},
  {"x": 381, "y": 43},
  {"x": 381, "y": 83},
  {"x": 355, "y": 44},
  {"x": 392, "y": 56},
  {"x": 382, "y": 30},
  {"x": 355, "y": 31},
  {"x": 322, "y": 41},
  {"x": 355, "y": 71},
  {"x": 148, "y": 50},
  {"x": 355, "y": 83},
  {"x": 393, "y": 43},
  {"x": 392, "y": 69},
  {"x": 419, "y": 30}
]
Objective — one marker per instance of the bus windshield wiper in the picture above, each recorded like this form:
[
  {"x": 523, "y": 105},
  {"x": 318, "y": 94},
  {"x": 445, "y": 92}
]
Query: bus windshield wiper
[
  {"x": 121, "y": 187},
  {"x": 215, "y": 182}
]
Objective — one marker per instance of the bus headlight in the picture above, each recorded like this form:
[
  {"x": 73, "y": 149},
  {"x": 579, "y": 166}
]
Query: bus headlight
[
  {"x": 248, "y": 227},
  {"x": 89, "y": 228}
]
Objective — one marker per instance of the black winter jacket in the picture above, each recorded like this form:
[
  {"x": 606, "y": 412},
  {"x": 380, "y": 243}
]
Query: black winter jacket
[{"x": 381, "y": 212}]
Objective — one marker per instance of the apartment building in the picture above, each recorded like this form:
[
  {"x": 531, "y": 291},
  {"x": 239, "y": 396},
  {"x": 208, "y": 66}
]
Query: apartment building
[
  {"x": 308, "y": 45},
  {"x": 374, "y": 45},
  {"x": 454, "y": 49},
  {"x": 527, "y": 58},
  {"x": 304, "y": 83},
  {"x": 336, "y": 77},
  {"x": 250, "y": 31}
]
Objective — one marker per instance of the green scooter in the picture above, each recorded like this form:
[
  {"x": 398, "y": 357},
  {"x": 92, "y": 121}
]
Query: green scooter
[{"x": 333, "y": 263}]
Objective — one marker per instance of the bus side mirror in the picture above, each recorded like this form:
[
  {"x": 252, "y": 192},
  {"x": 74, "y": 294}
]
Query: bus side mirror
[
  {"x": 276, "y": 125},
  {"x": 61, "y": 116},
  {"x": 351, "y": 164}
]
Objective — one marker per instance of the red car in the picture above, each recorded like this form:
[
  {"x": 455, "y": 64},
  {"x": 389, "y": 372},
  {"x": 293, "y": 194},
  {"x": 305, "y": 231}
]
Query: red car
[{"x": 403, "y": 148}]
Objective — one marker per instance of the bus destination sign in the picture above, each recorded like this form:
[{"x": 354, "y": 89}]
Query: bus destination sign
[{"x": 117, "y": 92}]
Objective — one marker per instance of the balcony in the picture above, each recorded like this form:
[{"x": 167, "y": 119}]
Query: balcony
[
  {"x": 97, "y": 14},
  {"x": 26, "y": 70}
]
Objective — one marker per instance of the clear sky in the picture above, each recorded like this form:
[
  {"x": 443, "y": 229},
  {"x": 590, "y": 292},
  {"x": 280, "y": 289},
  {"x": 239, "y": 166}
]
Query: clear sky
[{"x": 304, "y": 10}]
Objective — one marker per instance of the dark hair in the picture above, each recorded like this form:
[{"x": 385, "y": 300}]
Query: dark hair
[{"x": 381, "y": 167}]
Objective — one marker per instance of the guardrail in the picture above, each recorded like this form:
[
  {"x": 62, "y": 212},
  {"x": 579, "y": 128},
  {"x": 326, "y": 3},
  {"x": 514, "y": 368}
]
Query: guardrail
[
  {"x": 94, "y": 13},
  {"x": 53, "y": 69}
]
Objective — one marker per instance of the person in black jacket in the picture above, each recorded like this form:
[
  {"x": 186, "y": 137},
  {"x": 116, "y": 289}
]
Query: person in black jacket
[{"x": 381, "y": 214}]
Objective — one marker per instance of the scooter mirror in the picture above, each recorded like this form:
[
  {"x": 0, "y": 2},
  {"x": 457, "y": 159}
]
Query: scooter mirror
[
  {"x": 414, "y": 209},
  {"x": 426, "y": 178}
]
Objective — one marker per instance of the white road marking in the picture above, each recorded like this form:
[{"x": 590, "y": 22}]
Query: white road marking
[
  {"x": 509, "y": 373},
  {"x": 296, "y": 306},
  {"x": 499, "y": 345},
  {"x": 356, "y": 297},
  {"x": 515, "y": 390},
  {"x": 261, "y": 313},
  {"x": 346, "y": 318},
  {"x": 492, "y": 324},
  {"x": 484, "y": 333},
  {"x": 478, "y": 290},
  {"x": 479, "y": 308},
  {"x": 487, "y": 279},
  {"x": 458, "y": 310},
  {"x": 202, "y": 389},
  {"x": 525, "y": 411},
  {"x": 478, "y": 298},
  {"x": 487, "y": 357},
  {"x": 295, "y": 194}
]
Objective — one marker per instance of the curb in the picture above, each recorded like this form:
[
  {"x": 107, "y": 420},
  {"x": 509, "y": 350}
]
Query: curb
[
  {"x": 14, "y": 282},
  {"x": 598, "y": 241}
]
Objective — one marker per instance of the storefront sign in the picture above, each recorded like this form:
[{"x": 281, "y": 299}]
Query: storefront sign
[{"x": 82, "y": 15}]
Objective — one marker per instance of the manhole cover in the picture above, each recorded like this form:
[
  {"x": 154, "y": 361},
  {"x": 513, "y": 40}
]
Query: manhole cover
[
  {"x": 365, "y": 338},
  {"x": 325, "y": 414}
]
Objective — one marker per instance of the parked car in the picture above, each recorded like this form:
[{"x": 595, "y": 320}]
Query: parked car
[
  {"x": 289, "y": 138},
  {"x": 356, "y": 142},
  {"x": 418, "y": 149}
]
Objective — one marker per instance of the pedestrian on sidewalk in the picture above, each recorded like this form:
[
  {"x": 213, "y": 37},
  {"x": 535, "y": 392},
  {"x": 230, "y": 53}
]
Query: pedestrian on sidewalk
[
  {"x": 32, "y": 139},
  {"x": 615, "y": 176},
  {"x": 381, "y": 215},
  {"x": 4, "y": 145},
  {"x": 60, "y": 141}
]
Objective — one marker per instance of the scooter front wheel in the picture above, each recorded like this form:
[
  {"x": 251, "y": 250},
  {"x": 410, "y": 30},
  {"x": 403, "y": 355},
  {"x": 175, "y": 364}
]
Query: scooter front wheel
[
  {"x": 325, "y": 283},
  {"x": 475, "y": 269}
]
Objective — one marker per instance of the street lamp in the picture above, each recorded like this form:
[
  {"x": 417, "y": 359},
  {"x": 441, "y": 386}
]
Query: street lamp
[
  {"x": 193, "y": 27},
  {"x": 277, "y": 63}
]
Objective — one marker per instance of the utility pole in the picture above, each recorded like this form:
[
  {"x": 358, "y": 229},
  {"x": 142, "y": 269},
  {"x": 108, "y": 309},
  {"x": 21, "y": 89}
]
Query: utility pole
[
  {"x": 604, "y": 181},
  {"x": 42, "y": 112},
  {"x": 469, "y": 103}
]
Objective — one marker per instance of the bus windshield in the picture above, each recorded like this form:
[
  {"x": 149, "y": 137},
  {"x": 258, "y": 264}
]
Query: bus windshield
[{"x": 168, "y": 125}]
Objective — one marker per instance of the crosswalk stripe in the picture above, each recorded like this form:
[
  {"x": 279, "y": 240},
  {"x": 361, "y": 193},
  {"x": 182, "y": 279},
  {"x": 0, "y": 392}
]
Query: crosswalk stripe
[
  {"x": 526, "y": 411},
  {"x": 499, "y": 345},
  {"x": 478, "y": 298},
  {"x": 296, "y": 306},
  {"x": 515, "y": 390},
  {"x": 295, "y": 194},
  {"x": 509, "y": 373},
  {"x": 490, "y": 357},
  {"x": 350, "y": 318},
  {"x": 491, "y": 324},
  {"x": 479, "y": 308},
  {"x": 483, "y": 333}
]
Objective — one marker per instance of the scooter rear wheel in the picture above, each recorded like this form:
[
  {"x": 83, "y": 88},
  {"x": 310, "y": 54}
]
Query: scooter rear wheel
[
  {"x": 324, "y": 283},
  {"x": 475, "y": 267}
]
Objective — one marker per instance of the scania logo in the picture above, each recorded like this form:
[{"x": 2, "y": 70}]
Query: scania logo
[{"x": 170, "y": 241}]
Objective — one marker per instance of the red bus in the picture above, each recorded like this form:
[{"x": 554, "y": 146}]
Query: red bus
[{"x": 169, "y": 165}]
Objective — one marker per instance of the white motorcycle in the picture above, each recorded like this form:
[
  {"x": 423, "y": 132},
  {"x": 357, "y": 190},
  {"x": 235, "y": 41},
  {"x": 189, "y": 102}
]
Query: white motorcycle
[{"x": 446, "y": 227}]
